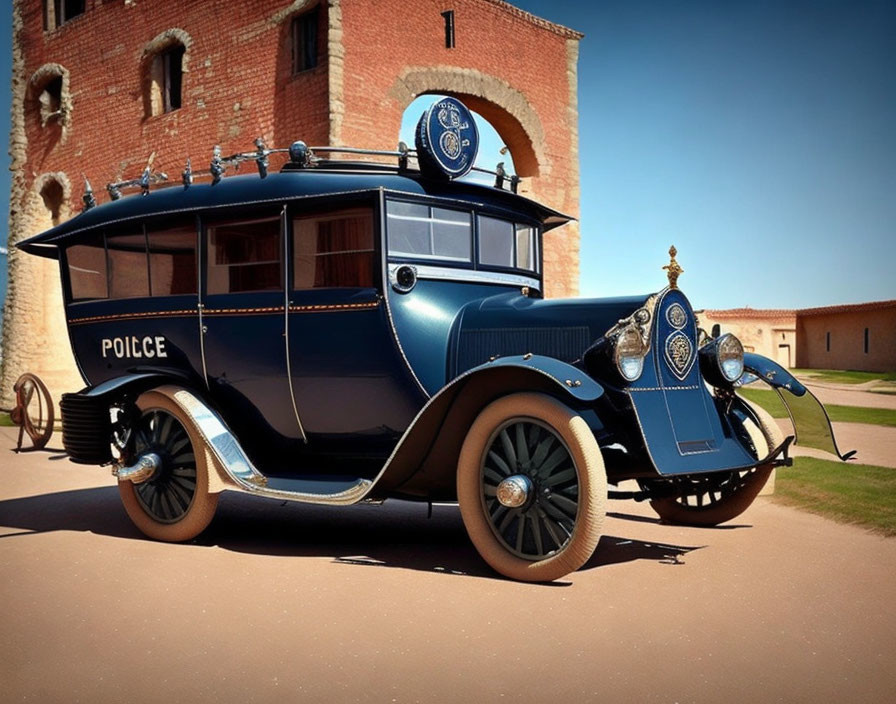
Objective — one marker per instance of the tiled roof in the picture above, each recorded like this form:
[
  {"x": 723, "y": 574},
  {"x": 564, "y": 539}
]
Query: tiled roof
[
  {"x": 751, "y": 313},
  {"x": 848, "y": 308}
]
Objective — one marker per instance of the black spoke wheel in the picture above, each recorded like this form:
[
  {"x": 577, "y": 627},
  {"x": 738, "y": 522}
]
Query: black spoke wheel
[
  {"x": 532, "y": 487},
  {"x": 715, "y": 498},
  {"x": 175, "y": 503}
]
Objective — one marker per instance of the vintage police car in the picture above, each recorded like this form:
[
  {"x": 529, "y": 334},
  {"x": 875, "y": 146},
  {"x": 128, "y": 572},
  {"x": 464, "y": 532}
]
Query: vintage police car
[{"x": 342, "y": 332}]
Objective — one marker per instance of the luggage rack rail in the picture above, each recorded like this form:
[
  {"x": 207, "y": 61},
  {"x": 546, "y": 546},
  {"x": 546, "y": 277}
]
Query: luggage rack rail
[{"x": 301, "y": 156}]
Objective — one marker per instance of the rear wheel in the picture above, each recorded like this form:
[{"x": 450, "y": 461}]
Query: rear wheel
[
  {"x": 532, "y": 488},
  {"x": 174, "y": 504},
  {"x": 715, "y": 498}
]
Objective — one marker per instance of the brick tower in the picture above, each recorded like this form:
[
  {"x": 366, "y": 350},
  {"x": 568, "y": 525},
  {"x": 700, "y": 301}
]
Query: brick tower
[{"x": 102, "y": 87}]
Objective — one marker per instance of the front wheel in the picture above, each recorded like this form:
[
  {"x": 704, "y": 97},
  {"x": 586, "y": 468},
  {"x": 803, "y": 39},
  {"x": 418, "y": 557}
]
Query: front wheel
[
  {"x": 532, "y": 488},
  {"x": 713, "y": 498},
  {"x": 175, "y": 503}
]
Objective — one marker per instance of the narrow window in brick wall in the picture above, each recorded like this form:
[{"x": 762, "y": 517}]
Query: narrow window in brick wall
[
  {"x": 304, "y": 41},
  {"x": 449, "y": 28},
  {"x": 53, "y": 195},
  {"x": 827, "y": 342},
  {"x": 866, "y": 340},
  {"x": 58, "y": 12},
  {"x": 166, "y": 80},
  {"x": 50, "y": 101}
]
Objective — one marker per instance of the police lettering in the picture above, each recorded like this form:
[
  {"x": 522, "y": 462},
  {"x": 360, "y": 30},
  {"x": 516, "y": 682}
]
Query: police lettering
[{"x": 134, "y": 347}]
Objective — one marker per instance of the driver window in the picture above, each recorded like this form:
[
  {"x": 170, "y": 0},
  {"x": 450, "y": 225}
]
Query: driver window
[{"x": 334, "y": 249}]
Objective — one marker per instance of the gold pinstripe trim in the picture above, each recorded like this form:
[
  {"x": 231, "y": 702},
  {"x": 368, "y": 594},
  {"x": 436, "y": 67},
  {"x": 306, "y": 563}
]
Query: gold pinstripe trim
[
  {"x": 133, "y": 316},
  {"x": 334, "y": 307},
  {"x": 226, "y": 311},
  {"x": 242, "y": 311}
]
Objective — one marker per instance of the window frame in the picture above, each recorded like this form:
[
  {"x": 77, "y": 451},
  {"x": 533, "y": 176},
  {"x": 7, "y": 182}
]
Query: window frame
[
  {"x": 515, "y": 218},
  {"x": 55, "y": 15},
  {"x": 330, "y": 208},
  {"x": 244, "y": 216},
  {"x": 144, "y": 226},
  {"x": 298, "y": 40},
  {"x": 435, "y": 258}
]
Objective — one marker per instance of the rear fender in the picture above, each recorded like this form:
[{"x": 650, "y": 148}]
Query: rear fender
[
  {"x": 811, "y": 424},
  {"x": 425, "y": 461}
]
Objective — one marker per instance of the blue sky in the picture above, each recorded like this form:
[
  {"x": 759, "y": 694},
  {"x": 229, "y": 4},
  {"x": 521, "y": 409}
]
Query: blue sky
[{"x": 757, "y": 136}]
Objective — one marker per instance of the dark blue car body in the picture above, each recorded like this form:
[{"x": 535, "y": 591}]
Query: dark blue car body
[{"x": 315, "y": 368}]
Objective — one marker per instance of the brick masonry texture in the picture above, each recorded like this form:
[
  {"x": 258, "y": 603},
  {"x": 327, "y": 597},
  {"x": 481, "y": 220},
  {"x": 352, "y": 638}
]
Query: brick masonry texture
[{"x": 375, "y": 56}]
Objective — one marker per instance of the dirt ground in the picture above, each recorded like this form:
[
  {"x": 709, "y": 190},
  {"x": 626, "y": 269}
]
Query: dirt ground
[{"x": 283, "y": 602}]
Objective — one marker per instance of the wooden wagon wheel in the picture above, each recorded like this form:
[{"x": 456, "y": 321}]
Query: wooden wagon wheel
[{"x": 33, "y": 401}]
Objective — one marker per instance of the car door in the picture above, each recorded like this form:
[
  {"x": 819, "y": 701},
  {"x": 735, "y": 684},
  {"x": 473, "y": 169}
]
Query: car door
[
  {"x": 244, "y": 328},
  {"x": 352, "y": 388}
]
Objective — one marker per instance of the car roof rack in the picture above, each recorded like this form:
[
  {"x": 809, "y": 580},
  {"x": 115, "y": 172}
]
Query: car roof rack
[{"x": 301, "y": 156}]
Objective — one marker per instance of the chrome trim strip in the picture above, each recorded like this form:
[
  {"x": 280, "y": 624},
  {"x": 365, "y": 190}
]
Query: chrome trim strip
[
  {"x": 240, "y": 468},
  {"x": 444, "y": 273},
  {"x": 246, "y": 477},
  {"x": 284, "y": 231}
]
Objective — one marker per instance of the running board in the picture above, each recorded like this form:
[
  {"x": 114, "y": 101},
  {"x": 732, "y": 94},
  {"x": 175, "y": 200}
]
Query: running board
[{"x": 244, "y": 476}]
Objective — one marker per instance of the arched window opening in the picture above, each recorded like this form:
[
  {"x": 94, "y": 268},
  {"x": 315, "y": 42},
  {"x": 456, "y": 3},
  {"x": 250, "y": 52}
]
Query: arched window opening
[
  {"x": 166, "y": 70},
  {"x": 53, "y": 196},
  {"x": 58, "y": 12},
  {"x": 50, "y": 100}
]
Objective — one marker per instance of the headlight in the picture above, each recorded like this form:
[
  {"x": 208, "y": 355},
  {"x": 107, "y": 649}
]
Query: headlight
[
  {"x": 630, "y": 353},
  {"x": 731, "y": 357},
  {"x": 722, "y": 360}
]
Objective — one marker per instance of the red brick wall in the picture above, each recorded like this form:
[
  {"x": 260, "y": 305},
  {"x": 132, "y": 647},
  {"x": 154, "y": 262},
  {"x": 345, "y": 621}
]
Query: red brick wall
[
  {"x": 238, "y": 86},
  {"x": 384, "y": 38}
]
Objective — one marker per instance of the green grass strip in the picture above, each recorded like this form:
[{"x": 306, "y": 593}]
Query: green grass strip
[
  {"x": 858, "y": 494},
  {"x": 836, "y": 376},
  {"x": 771, "y": 402},
  {"x": 5, "y": 420}
]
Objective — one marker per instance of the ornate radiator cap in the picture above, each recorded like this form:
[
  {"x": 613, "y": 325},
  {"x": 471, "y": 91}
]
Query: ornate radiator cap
[{"x": 673, "y": 270}]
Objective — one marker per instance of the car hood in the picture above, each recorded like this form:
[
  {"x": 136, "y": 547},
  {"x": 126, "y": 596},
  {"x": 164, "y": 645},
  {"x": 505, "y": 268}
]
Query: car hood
[{"x": 510, "y": 324}]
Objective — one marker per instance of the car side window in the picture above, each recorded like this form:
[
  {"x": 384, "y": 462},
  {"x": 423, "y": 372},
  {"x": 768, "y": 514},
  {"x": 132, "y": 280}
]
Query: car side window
[
  {"x": 172, "y": 258},
  {"x": 426, "y": 232},
  {"x": 506, "y": 244},
  {"x": 244, "y": 256},
  {"x": 128, "y": 270},
  {"x": 87, "y": 270},
  {"x": 333, "y": 249}
]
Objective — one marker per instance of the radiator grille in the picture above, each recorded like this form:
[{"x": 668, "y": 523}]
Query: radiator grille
[
  {"x": 86, "y": 429},
  {"x": 477, "y": 346}
]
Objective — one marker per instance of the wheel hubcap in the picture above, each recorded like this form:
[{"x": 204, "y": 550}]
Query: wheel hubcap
[
  {"x": 530, "y": 489},
  {"x": 168, "y": 494},
  {"x": 514, "y": 491}
]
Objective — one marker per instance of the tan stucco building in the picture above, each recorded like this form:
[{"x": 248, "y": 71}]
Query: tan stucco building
[
  {"x": 771, "y": 333},
  {"x": 860, "y": 336}
]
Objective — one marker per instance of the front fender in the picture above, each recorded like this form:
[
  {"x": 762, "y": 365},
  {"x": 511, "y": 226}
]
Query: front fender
[
  {"x": 811, "y": 424},
  {"x": 425, "y": 460}
]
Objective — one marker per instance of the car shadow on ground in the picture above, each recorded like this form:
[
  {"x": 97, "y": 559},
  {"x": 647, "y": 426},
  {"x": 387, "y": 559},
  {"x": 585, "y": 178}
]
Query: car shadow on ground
[{"x": 397, "y": 534}]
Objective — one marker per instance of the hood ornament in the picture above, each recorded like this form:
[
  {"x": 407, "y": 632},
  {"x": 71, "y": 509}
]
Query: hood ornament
[{"x": 673, "y": 270}]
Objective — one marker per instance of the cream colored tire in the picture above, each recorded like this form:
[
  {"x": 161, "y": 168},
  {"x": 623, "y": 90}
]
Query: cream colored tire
[
  {"x": 766, "y": 436},
  {"x": 175, "y": 505},
  {"x": 564, "y": 512}
]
